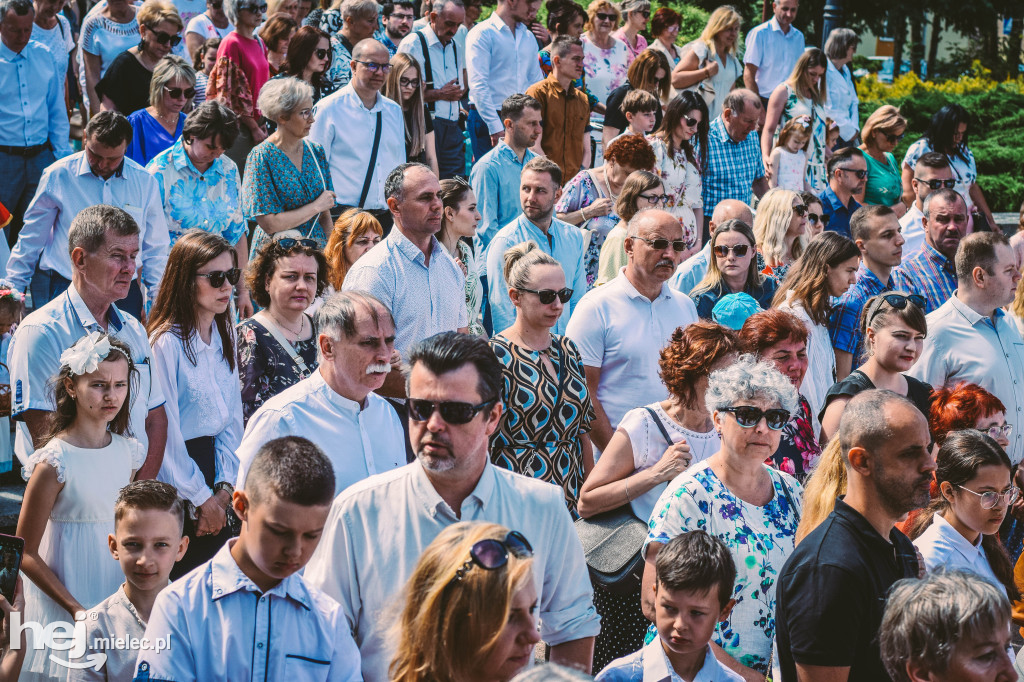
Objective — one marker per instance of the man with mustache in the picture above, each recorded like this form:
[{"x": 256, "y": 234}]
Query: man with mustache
[
  {"x": 377, "y": 529},
  {"x": 335, "y": 407},
  {"x": 931, "y": 271},
  {"x": 621, "y": 327},
  {"x": 831, "y": 592}
]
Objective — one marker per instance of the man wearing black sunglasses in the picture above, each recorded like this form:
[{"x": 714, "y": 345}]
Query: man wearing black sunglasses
[
  {"x": 376, "y": 531},
  {"x": 932, "y": 172},
  {"x": 847, "y": 175}
]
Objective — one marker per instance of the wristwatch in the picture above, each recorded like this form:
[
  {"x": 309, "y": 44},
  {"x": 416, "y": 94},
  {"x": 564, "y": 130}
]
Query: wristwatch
[{"x": 224, "y": 485}]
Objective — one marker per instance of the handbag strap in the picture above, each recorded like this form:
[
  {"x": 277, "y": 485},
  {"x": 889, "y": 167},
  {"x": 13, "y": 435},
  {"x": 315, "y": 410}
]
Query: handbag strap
[
  {"x": 660, "y": 425},
  {"x": 305, "y": 145},
  {"x": 789, "y": 498},
  {"x": 275, "y": 331},
  {"x": 373, "y": 160}
]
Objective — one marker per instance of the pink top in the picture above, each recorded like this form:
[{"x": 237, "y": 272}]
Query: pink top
[
  {"x": 248, "y": 55},
  {"x": 641, "y": 44}
]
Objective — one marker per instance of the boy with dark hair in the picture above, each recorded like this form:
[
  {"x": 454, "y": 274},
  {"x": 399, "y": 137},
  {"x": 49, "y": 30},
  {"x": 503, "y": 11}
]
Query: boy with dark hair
[
  {"x": 639, "y": 107},
  {"x": 147, "y": 541},
  {"x": 692, "y": 593},
  {"x": 246, "y": 613}
]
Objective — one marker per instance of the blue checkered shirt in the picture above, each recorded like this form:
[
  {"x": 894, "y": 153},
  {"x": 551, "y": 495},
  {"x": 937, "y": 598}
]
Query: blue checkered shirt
[
  {"x": 928, "y": 273},
  {"x": 732, "y": 167},
  {"x": 844, "y": 321}
]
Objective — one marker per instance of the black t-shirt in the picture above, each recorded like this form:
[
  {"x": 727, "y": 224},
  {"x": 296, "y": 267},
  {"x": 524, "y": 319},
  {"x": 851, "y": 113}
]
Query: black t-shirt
[
  {"x": 126, "y": 83},
  {"x": 614, "y": 118},
  {"x": 428, "y": 128},
  {"x": 918, "y": 392},
  {"x": 831, "y": 594}
]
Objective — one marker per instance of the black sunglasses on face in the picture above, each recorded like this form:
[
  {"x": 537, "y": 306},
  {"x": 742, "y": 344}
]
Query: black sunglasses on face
[
  {"x": 165, "y": 38},
  {"x": 645, "y": 13},
  {"x": 678, "y": 245},
  {"x": 937, "y": 184},
  {"x": 800, "y": 210},
  {"x": 217, "y": 277},
  {"x": 748, "y": 416},
  {"x": 216, "y": 5},
  {"x": 605, "y": 17},
  {"x": 287, "y": 243},
  {"x": 893, "y": 139},
  {"x": 321, "y": 53},
  {"x": 740, "y": 250},
  {"x": 491, "y": 554},
  {"x": 253, "y": 8},
  {"x": 455, "y": 413},
  {"x": 861, "y": 174},
  {"x": 547, "y": 296},
  {"x": 175, "y": 93},
  {"x": 896, "y": 301},
  {"x": 813, "y": 218},
  {"x": 690, "y": 121}
]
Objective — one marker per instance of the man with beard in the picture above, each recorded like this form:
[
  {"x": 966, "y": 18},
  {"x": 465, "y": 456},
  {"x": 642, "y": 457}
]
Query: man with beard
[
  {"x": 831, "y": 591},
  {"x": 378, "y": 528},
  {"x": 931, "y": 271},
  {"x": 847, "y": 175},
  {"x": 398, "y": 18},
  {"x": 621, "y": 327},
  {"x": 539, "y": 190}
]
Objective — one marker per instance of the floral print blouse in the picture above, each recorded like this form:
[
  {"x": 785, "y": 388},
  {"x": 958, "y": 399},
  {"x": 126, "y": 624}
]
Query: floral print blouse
[
  {"x": 760, "y": 540},
  {"x": 582, "y": 191},
  {"x": 265, "y": 368},
  {"x": 682, "y": 186},
  {"x": 605, "y": 70},
  {"x": 798, "y": 450}
]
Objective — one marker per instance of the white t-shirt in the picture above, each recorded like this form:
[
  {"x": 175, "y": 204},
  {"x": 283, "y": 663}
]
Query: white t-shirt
[{"x": 203, "y": 25}]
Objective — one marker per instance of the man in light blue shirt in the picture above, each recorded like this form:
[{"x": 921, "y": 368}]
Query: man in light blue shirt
[
  {"x": 540, "y": 189},
  {"x": 99, "y": 174},
  {"x": 34, "y": 126}
]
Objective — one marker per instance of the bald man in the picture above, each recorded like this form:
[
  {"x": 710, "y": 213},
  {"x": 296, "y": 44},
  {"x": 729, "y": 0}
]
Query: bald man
[{"x": 691, "y": 271}]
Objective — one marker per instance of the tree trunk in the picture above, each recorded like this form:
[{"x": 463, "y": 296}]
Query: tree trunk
[
  {"x": 766, "y": 11},
  {"x": 898, "y": 30},
  {"x": 933, "y": 43},
  {"x": 916, "y": 44}
]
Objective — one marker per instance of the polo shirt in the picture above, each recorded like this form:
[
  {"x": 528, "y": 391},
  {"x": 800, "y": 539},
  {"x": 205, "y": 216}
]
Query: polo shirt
[
  {"x": 732, "y": 167},
  {"x": 963, "y": 345},
  {"x": 838, "y": 215},
  {"x": 773, "y": 52},
  {"x": 928, "y": 273},
  {"x": 912, "y": 230},
  {"x": 566, "y": 114},
  {"x": 831, "y": 595},
  {"x": 113, "y": 618},
  {"x": 844, "y": 320},
  {"x": 495, "y": 180}
]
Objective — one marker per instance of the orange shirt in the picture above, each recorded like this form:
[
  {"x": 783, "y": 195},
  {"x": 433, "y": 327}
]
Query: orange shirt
[{"x": 565, "y": 117}]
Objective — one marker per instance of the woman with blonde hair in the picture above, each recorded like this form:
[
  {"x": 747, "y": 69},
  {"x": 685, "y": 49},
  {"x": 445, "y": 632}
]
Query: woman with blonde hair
[
  {"x": 709, "y": 64},
  {"x": 826, "y": 482},
  {"x": 802, "y": 94},
  {"x": 605, "y": 57},
  {"x": 470, "y": 608},
  {"x": 156, "y": 127},
  {"x": 404, "y": 84},
  {"x": 779, "y": 228},
  {"x": 642, "y": 189},
  {"x": 355, "y": 232},
  {"x": 881, "y": 133}
]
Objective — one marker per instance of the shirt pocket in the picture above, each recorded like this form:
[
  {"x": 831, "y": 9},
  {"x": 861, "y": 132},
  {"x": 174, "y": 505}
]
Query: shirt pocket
[{"x": 300, "y": 668}]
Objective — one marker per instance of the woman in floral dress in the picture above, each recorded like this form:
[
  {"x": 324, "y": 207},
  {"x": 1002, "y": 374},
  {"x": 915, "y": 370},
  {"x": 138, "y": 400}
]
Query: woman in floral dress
[{"x": 605, "y": 57}]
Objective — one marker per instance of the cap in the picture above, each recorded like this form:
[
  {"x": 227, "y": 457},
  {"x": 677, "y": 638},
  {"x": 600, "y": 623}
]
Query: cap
[{"x": 733, "y": 310}]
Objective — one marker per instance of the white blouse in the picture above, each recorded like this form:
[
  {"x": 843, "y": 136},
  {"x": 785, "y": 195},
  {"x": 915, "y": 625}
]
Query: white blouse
[
  {"x": 821, "y": 361},
  {"x": 943, "y": 546}
]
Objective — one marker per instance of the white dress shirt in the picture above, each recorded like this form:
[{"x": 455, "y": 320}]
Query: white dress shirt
[
  {"x": 203, "y": 399},
  {"x": 964, "y": 346},
  {"x": 912, "y": 229},
  {"x": 359, "y": 441},
  {"x": 773, "y": 52},
  {"x": 446, "y": 62},
  {"x": 500, "y": 64},
  {"x": 622, "y": 332},
  {"x": 68, "y": 186},
  {"x": 34, "y": 359},
  {"x": 220, "y": 626},
  {"x": 113, "y": 618},
  {"x": 821, "y": 367},
  {"x": 842, "y": 105},
  {"x": 942, "y": 546},
  {"x": 378, "y": 529},
  {"x": 345, "y": 128}
]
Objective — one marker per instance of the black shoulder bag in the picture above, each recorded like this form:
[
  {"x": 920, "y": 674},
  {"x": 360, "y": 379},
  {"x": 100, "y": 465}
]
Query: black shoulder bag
[{"x": 373, "y": 162}]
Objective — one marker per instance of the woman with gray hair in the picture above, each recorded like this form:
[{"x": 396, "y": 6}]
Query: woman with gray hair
[
  {"x": 842, "y": 104},
  {"x": 736, "y": 497},
  {"x": 156, "y": 127},
  {"x": 948, "y": 626},
  {"x": 288, "y": 186}
]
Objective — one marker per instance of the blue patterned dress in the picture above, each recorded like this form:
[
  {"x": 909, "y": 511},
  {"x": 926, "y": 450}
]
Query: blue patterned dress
[
  {"x": 759, "y": 538},
  {"x": 539, "y": 432}
]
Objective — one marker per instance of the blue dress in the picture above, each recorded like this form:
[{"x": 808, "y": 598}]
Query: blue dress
[
  {"x": 272, "y": 184},
  {"x": 149, "y": 137}
]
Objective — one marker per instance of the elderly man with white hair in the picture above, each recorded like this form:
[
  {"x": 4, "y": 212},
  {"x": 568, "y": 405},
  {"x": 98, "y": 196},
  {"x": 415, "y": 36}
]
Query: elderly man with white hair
[{"x": 336, "y": 407}]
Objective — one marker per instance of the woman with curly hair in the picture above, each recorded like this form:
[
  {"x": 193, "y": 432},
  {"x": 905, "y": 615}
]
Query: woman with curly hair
[
  {"x": 355, "y": 232},
  {"x": 651, "y": 446}
]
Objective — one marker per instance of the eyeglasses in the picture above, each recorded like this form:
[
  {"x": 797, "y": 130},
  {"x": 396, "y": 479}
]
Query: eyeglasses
[
  {"x": 409, "y": 82},
  {"x": 861, "y": 174},
  {"x": 452, "y": 412},
  {"x": 402, "y": 17},
  {"x": 991, "y": 499},
  {"x": 217, "y": 277},
  {"x": 491, "y": 554},
  {"x": 748, "y": 416},
  {"x": 813, "y": 218},
  {"x": 896, "y": 301},
  {"x": 655, "y": 199},
  {"x": 307, "y": 114},
  {"x": 165, "y": 38},
  {"x": 547, "y": 296},
  {"x": 288, "y": 243},
  {"x": 176, "y": 93},
  {"x": 253, "y": 8},
  {"x": 374, "y": 67},
  {"x": 893, "y": 139},
  {"x": 996, "y": 431},
  {"x": 740, "y": 250},
  {"x": 678, "y": 245},
  {"x": 800, "y": 210},
  {"x": 937, "y": 184},
  {"x": 321, "y": 53},
  {"x": 690, "y": 121},
  {"x": 606, "y": 17}
]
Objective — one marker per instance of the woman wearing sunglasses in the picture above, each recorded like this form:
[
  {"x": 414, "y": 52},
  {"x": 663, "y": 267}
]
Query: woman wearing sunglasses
[
  {"x": 881, "y": 133},
  {"x": 605, "y": 57},
  {"x": 404, "y": 85},
  {"x": 678, "y": 162},
  {"x": 732, "y": 268},
  {"x": 543, "y": 429},
  {"x": 156, "y": 127},
  {"x": 959, "y": 529},
  {"x": 816, "y": 220},
  {"x": 470, "y": 609},
  {"x": 642, "y": 189},
  {"x": 125, "y": 85},
  {"x": 308, "y": 58},
  {"x": 893, "y": 327},
  {"x": 734, "y": 496},
  {"x": 780, "y": 227},
  {"x": 193, "y": 341}
]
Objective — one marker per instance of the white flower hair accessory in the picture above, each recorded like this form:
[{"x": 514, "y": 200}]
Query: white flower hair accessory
[{"x": 87, "y": 353}]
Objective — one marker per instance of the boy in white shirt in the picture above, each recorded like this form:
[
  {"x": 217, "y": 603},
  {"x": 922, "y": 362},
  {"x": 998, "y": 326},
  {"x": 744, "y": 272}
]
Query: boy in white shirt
[{"x": 639, "y": 107}]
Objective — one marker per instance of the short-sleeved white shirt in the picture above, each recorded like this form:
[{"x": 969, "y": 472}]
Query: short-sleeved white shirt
[
  {"x": 203, "y": 25},
  {"x": 912, "y": 229},
  {"x": 773, "y": 52}
]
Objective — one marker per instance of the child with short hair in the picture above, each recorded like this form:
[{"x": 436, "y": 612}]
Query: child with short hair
[
  {"x": 692, "y": 594},
  {"x": 283, "y": 508},
  {"x": 11, "y": 307},
  {"x": 148, "y": 539},
  {"x": 789, "y": 158},
  {"x": 639, "y": 107},
  {"x": 831, "y": 137}
]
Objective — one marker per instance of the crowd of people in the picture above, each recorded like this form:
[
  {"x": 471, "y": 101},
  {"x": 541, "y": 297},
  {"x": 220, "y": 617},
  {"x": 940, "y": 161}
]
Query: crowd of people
[{"x": 423, "y": 348}]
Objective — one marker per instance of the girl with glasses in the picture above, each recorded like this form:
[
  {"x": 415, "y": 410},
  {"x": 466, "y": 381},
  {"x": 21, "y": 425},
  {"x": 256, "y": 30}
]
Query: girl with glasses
[
  {"x": 193, "y": 339},
  {"x": 881, "y": 133},
  {"x": 780, "y": 227},
  {"x": 958, "y": 530},
  {"x": 405, "y": 86},
  {"x": 816, "y": 220},
  {"x": 732, "y": 268},
  {"x": 156, "y": 127},
  {"x": 679, "y": 164},
  {"x": 642, "y": 189},
  {"x": 470, "y": 610}
]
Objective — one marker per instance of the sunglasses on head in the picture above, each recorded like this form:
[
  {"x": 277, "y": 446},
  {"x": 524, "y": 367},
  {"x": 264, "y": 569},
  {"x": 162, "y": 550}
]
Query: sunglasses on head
[
  {"x": 175, "y": 93},
  {"x": 288, "y": 243},
  {"x": 321, "y": 53},
  {"x": 547, "y": 296},
  {"x": 800, "y": 210},
  {"x": 749, "y": 416},
  {"x": 740, "y": 250},
  {"x": 896, "y": 301},
  {"x": 217, "y": 277},
  {"x": 990, "y": 499},
  {"x": 861, "y": 174},
  {"x": 165, "y": 38},
  {"x": 491, "y": 554},
  {"x": 455, "y": 413},
  {"x": 605, "y": 17},
  {"x": 938, "y": 184},
  {"x": 678, "y": 245}
]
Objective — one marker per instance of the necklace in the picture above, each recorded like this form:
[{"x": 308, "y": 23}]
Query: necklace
[
  {"x": 297, "y": 334},
  {"x": 171, "y": 119},
  {"x": 608, "y": 186}
]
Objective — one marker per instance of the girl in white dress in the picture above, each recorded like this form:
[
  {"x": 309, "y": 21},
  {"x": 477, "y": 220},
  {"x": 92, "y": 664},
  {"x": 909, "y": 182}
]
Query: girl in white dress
[
  {"x": 73, "y": 482},
  {"x": 789, "y": 158}
]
